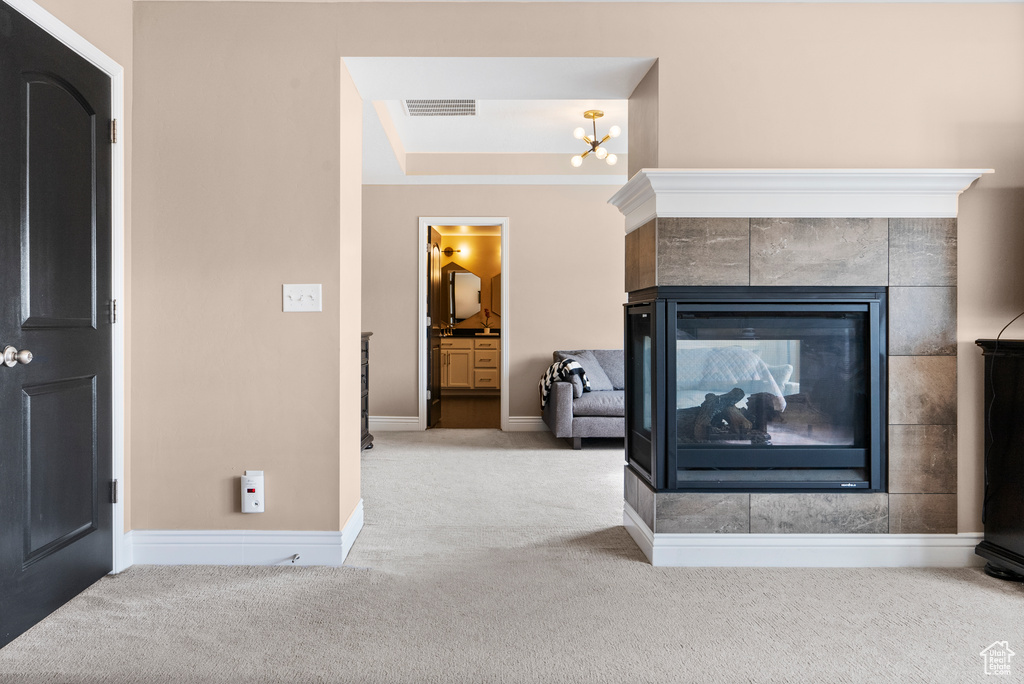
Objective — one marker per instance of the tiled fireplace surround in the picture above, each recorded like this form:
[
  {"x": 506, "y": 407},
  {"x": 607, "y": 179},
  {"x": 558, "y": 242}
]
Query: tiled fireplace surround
[{"x": 813, "y": 239}]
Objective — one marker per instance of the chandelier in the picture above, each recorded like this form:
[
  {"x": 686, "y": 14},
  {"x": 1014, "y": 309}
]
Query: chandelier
[{"x": 595, "y": 144}]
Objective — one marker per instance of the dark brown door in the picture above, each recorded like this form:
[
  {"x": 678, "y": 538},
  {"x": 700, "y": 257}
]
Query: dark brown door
[
  {"x": 55, "y": 412},
  {"x": 435, "y": 292}
]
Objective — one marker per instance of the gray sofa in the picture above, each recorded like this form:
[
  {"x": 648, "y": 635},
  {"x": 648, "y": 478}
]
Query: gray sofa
[{"x": 574, "y": 414}]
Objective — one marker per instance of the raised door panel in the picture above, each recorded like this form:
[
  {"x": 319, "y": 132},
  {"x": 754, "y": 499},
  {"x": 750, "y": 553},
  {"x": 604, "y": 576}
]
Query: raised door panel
[
  {"x": 59, "y": 450},
  {"x": 58, "y": 228},
  {"x": 460, "y": 375}
]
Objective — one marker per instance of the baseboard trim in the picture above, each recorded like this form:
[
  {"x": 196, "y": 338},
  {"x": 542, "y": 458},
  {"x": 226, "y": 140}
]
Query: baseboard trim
[
  {"x": 638, "y": 530},
  {"x": 244, "y": 547},
  {"x": 351, "y": 530},
  {"x": 527, "y": 424},
  {"x": 412, "y": 424},
  {"x": 126, "y": 555},
  {"x": 394, "y": 424},
  {"x": 802, "y": 550}
]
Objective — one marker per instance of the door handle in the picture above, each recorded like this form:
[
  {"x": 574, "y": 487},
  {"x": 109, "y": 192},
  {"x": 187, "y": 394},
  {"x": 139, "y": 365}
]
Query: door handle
[{"x": 12, "y": 356}]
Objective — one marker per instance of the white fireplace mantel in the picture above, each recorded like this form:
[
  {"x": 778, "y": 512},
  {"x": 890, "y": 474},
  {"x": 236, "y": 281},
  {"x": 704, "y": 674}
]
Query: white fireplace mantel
[{"x": 792, "y": 193}]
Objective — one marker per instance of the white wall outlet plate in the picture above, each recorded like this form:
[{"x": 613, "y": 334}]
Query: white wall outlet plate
[{"x": 301, "y": 298}]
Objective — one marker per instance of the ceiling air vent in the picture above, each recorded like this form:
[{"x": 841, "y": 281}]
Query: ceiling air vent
[{"x": 440, "y": 107}]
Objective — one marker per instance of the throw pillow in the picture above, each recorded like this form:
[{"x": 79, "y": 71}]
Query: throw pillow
[
  {"x": 595, "y": 373},
  {"x": 782, "y": 373},
  {"x": 613, "y": 364}
]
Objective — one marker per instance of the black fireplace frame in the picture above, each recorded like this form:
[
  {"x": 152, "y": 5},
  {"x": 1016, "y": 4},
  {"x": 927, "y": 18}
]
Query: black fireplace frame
[{"x": 659, "y": 466}]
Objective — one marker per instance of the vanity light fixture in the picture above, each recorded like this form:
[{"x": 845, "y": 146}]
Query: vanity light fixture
[
  {"x": 448, "y": 251},
  {"x": 595, "y": 144}
]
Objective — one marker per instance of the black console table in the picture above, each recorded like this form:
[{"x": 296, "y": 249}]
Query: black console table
[
  {"x": 1003, "y": 507},
  {"x": 365, "y": 438}
]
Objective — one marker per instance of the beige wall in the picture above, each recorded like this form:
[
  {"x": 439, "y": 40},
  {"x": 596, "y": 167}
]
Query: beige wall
[
  {"x": 565, "y": 265},
  {"x": 643, "y": 123},
  {"x": 238, "y": 111},
  {"x": 236, "y": 178}
]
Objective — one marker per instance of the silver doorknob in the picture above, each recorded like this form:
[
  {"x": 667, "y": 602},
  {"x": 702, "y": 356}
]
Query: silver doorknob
[{"x": 12, "y": 356}]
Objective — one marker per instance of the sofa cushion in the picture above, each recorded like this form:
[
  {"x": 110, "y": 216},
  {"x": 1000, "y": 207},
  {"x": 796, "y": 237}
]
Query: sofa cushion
[
  {"x": 598, "y": 426},
  {"x": 592, "y": 367},
  {"x": 603, "y": 403},
  {"x": 614, "y": 365},
  {"x": 782, "y": 373}
]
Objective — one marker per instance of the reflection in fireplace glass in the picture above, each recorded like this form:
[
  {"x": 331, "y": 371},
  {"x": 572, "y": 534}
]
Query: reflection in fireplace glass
[{"x": 778, "y": 379}]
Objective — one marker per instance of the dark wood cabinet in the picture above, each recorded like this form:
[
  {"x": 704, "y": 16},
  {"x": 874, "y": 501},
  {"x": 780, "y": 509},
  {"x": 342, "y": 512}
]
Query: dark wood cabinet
[
  {"x": 1003, "y": 503},
  {"x": 365, "y": 438}
]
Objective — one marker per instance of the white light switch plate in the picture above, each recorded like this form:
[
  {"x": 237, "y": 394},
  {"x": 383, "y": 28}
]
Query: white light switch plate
[{"x": 301, "y": 298}]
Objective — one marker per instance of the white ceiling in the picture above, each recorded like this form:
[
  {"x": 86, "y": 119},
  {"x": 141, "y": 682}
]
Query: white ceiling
[
  {"x": 497, "y": 78},
  {"x": 525, "y": 106},
  {"x": 511, "y": 127}
]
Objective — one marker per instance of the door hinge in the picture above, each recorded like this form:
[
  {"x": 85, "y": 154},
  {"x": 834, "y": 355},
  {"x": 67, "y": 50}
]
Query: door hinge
[
  {"x": 428, "y": 395},
  {"x": 113, "y": 311},
  {"x": 113, "y": 491},
  {"x": 113, "y": 131}
]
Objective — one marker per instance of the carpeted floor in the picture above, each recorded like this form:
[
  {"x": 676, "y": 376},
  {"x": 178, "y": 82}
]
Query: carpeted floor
[{"x": 500, "y": 557}]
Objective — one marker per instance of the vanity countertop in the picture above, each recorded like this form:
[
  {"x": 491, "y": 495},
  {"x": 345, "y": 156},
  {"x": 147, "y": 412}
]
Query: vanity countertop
[{"x": 473, "y": 332}]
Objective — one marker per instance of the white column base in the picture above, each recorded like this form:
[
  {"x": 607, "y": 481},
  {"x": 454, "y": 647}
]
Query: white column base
[{"x": 802, "y": 550}]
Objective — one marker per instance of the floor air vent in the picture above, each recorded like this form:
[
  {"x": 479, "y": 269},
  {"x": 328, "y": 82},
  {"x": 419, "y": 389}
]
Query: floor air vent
[{"x": 440, "y": 107}]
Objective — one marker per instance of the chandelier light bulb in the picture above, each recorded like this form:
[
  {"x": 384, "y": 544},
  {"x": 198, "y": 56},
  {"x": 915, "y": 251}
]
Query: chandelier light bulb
[{"x": 594, "y": 140}]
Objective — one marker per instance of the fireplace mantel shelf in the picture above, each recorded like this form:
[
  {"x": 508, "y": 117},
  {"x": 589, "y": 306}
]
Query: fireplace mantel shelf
[{"x": 792, "y": 193}]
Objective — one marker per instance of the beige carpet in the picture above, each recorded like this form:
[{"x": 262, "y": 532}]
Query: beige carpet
[{"x": 500, "y": 557}]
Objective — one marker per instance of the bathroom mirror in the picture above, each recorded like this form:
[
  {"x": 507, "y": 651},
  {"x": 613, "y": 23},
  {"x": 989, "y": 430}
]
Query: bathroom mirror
[{"x": 464, "y": 291}]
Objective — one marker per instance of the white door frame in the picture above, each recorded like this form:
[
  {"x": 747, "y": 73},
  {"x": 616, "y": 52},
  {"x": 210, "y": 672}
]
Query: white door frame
[
  {"x": 421, "y": 345},
  {"x": 56, "y": 28}
]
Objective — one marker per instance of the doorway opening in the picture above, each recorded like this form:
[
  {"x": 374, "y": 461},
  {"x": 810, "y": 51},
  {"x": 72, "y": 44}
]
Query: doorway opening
[{"x": 464, "y": 323}]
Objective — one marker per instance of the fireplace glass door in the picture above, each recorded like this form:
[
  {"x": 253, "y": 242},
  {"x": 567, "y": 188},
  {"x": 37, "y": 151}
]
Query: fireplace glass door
[
  {"x": 774, "y": 395},
  {"x": 641, "y": 333}
]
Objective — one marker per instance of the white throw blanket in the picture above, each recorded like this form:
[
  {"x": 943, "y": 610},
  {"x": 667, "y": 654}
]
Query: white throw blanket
[{"x": 700, "y": 370}]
